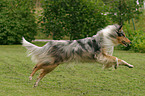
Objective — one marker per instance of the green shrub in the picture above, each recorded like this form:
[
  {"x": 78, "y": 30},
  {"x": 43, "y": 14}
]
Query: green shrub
[
  {"x": 16, "y": 20},
  {"x": 73, "y": 18},
  {"x": 125, "y": 10},
  {"x": 138, "y": 41}
]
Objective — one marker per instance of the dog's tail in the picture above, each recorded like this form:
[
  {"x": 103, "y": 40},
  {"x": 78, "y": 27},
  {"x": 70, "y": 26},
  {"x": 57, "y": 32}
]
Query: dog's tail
[
  {"x": 29, "y": 46},
  {"x": 33, "y": 50}
]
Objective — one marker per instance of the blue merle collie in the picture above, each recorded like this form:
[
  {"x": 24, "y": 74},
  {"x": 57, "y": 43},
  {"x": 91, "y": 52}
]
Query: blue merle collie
[{"x": 98, "y": 48}]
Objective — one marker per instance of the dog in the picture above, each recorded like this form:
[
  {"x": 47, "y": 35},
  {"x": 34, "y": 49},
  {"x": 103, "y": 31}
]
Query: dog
[{"x": 98, "y": 48}]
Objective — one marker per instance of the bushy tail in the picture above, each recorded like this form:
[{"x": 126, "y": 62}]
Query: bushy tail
[
  {"x": 29, "y": 46},
  {"x": 33, "y": 50}
]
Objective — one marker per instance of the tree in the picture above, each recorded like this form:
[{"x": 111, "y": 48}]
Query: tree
[
  {"x": 16, "y": 20},
  {"x": 74, "y": 18},
  {"x": 124, "y": 10}
]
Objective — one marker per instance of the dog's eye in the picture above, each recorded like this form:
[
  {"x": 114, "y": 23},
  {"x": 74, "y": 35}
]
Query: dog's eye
[{"x": 121, "y": 34}]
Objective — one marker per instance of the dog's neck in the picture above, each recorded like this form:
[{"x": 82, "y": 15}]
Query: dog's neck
[{"x": 105, "y": 42}]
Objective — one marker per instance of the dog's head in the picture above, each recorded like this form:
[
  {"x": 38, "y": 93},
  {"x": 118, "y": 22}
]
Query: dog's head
[
  {"x": 121, "y": 38},
  {"x": 118, "y": 36}
]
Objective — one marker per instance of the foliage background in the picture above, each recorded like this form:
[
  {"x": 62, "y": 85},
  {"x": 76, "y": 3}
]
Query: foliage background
[
  {"x": 124, "y": 10},
  {"x": 70, "y": 19},
  {"x": 16, "y": 20},
  {"x": 73, "y": 18}
]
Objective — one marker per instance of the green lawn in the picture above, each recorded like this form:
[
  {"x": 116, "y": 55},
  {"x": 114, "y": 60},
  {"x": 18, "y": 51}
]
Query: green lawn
[{"x": 70, "y": 79}]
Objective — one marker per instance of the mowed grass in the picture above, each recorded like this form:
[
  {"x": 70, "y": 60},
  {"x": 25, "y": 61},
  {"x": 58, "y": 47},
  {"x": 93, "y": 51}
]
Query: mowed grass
[{"x": 74, "y": 79}]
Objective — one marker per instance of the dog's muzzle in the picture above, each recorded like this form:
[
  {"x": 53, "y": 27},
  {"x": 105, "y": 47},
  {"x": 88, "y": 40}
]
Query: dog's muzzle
[{"x": 126, "y": 44}]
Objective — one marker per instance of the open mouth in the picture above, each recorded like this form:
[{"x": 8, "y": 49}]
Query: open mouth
[{"x": 125, "y": 44}]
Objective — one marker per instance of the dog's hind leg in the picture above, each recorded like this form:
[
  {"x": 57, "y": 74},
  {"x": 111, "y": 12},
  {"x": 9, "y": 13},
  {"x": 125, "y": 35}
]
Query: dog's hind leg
[
  {"x": 35, "y": 69},
  {"x": 46, "y": 69}
]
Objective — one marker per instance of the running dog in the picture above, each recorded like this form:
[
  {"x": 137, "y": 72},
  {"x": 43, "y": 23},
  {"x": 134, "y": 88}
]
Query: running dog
[{"x": 98, "y": 48}]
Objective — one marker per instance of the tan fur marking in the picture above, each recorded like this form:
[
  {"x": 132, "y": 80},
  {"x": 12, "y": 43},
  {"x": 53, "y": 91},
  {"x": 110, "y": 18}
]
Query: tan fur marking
[{"x": 45, "y": 70}]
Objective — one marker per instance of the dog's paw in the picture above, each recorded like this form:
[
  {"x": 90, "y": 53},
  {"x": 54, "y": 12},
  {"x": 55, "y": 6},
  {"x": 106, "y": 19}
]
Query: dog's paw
[
  {"x": 35, "y": 85},
  {"x": 130, "y": 66},
  {"x": 30, "y": 77}
]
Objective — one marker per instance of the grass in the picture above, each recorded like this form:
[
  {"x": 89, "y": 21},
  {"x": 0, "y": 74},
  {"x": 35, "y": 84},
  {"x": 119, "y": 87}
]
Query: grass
[{"x": 70, "y": 79}]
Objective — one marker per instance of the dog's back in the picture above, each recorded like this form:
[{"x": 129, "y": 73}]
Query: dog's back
[{"x": 62, "y": 50}]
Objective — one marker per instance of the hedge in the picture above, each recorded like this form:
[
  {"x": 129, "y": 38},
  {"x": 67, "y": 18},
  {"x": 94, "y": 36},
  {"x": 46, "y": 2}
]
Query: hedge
[
  {"x": 16, "y": 20},
  {"x": 72, "y": 18}
]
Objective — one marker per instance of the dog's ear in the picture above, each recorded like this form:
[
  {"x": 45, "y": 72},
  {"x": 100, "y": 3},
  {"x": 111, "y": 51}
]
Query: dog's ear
[{"x": 120, "y": 28}]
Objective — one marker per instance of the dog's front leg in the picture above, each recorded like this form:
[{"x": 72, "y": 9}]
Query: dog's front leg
[
  {"x": 111, "y": 61},
  {"x": 122, "y": 62}
]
